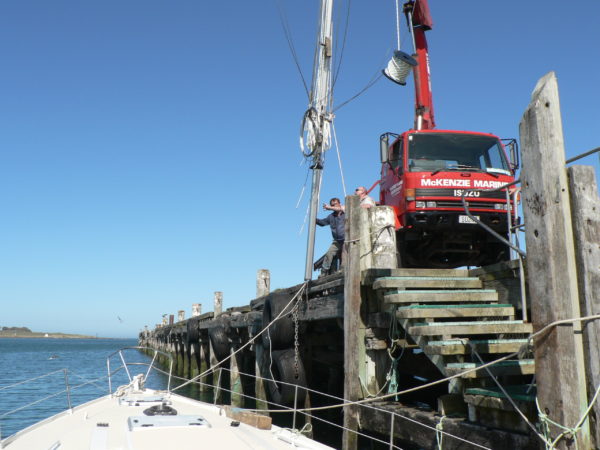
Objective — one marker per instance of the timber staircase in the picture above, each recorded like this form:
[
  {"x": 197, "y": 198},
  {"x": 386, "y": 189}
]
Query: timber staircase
[{"x": 457, "y": 324}]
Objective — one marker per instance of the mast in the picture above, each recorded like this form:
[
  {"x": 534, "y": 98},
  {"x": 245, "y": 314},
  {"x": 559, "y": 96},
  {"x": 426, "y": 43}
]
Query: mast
[{"x": 317, "y": 122}]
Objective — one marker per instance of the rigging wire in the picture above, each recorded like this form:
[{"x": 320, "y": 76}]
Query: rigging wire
[
  {"x": 337, "y": 149},
  {"x": 370, "y": 84},
  {"x": 398, "y": 23},
  {"x": 337, "y": 71},
  {"x": 288, "y": 35}
]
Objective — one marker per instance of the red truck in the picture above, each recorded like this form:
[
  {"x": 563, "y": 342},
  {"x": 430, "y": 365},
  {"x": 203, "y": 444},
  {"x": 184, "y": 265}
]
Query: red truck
[{"x": 426, "y": 172}]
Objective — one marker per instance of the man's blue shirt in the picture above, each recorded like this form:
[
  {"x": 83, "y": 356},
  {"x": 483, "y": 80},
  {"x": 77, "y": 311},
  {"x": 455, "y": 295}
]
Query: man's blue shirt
[{"x": 337, "y": 224}]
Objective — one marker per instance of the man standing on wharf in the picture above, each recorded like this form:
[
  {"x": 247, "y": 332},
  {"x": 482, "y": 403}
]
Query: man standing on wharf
[{"x": 336, "y": 220}]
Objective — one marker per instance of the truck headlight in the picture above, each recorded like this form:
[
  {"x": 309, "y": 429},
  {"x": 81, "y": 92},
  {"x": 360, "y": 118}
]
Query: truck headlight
[
  {"x": 420, "y": 204},
  {"x": 431, "y": 204},
  {"x": 502, "y": 206}
]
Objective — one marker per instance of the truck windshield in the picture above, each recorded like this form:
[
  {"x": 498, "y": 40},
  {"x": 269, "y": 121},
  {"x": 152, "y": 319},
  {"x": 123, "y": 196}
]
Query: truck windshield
[{"x": 429, "y": 152}]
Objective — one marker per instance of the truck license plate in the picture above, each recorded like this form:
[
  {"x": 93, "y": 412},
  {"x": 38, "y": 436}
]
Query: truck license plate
[{"x": 467, "y": 219}]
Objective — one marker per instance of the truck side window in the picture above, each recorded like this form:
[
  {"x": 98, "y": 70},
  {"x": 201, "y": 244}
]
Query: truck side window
[{"x": 396, "y": 155}]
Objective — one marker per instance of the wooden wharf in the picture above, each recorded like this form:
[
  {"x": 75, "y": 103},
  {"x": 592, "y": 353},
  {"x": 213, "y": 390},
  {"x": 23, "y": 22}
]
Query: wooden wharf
[{"x": 372, "y": 329}]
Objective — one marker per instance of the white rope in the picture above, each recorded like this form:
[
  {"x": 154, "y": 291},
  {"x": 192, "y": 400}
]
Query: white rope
[{"x": 317, "y": 127}]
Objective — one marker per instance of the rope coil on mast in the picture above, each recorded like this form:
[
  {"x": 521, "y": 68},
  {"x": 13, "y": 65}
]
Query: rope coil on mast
[{"x": 317, "y": 128}]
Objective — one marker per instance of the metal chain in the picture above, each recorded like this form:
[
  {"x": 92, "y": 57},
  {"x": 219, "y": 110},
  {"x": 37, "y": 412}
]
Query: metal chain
[{"x": 296, "y": 340}]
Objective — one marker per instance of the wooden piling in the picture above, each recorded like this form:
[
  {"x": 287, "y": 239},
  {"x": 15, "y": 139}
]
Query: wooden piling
[
  {"x": 217, "y": 377},
  {"x": 383, "y": 237},
  {"x": 218, "y": 303},
  {"x": 263, "y": 283},
  {"x": 196, "y": 309},
  {"x": 585, "y": 211},
  {"x": 263, "y": 288},
  {"x": 237, "y": 390},
  {"x": 205, "y": 363},
  {"x": 552, "y": 277},
  {"x": 352, "y": 320}
]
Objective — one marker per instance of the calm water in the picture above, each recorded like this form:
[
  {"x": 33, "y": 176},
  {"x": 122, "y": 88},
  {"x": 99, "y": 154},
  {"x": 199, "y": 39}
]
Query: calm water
[{"x": 85, "y": 361}]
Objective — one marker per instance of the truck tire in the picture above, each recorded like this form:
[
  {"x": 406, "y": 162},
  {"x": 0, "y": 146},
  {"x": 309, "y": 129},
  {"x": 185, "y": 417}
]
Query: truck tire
[
  {"x": 282, "y": 387},
  {"x": 281, "y": 332}
]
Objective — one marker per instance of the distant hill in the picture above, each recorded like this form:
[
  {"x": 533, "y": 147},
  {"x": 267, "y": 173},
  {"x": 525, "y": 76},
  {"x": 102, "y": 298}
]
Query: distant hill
[{"x": 24, "y": 332}]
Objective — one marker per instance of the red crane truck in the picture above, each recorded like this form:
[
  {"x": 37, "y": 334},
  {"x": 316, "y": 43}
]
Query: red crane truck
[{"x": 426, "y": 172}]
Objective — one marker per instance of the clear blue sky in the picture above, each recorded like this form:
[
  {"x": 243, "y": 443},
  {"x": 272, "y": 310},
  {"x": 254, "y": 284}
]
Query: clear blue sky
[{"x": 149, "y": 149}]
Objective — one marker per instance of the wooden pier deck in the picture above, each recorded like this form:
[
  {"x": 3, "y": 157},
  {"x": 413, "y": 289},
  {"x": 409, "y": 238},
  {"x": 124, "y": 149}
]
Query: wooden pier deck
[{"x": 410, "y": 355}]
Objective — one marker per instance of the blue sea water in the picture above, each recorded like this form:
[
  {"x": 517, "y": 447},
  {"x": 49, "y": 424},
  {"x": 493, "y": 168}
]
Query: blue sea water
[{"x": 43, "y": 361}]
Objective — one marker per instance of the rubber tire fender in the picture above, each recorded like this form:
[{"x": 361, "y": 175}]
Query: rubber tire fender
[
  {"x": 220, "y": 342},
  {"x": 281, "y": 332},
  {"x": 193, "y": 332},
  {"x": 283, "y": 370}
]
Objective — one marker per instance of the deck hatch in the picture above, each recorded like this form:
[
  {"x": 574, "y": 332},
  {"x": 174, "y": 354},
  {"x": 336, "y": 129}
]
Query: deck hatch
[{"x": 137, "y": 423}]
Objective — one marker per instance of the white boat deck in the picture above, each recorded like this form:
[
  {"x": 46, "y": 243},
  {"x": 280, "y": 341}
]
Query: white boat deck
[{"x": 119, "y": 423}]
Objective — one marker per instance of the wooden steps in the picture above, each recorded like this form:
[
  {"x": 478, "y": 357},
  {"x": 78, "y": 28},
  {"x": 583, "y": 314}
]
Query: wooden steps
[
  {"x": 427, "y": 282},
  {"x": 464, "y": 346},
  {"x": 454, "y": 311},
  {"x": 446, "y": 295},
  {"x": 450, "y": 317},
  {"x": 510, "y": 367},
  {"x": 470, "y": 328}
]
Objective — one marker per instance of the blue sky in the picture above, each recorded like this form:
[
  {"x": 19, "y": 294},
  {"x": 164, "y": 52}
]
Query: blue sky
[{"x": 149, "y": 149}]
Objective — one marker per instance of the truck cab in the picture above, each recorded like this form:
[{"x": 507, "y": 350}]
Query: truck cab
[{"x": 425, "y": 174}]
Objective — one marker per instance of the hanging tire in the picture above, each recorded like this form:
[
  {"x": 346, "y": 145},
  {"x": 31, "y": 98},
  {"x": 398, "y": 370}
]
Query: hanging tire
[
  {"x": 281, "y": 332},
  {"x": 220, "y": 342},
  {"x": 193, "y": 332},
  {"x": 281, "y": 388}
]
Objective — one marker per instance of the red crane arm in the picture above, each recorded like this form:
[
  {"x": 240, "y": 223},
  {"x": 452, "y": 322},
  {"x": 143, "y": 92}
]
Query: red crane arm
[{"x": 421, "y": 22}]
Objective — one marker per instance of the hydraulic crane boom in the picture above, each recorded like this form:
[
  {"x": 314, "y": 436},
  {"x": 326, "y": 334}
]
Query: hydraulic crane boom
[{"x": 419, "y": 21}]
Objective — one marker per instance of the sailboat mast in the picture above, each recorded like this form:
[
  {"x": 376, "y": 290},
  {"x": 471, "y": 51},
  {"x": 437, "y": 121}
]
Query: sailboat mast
[{"x": 317, "y": 121}]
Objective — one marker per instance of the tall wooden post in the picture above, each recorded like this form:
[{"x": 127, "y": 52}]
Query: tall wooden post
[
  {"x": 552, "y": 275},
  {"x": 218, "y": 308},
  {"x": 352, "y": 320},
  {"x": 263, "y": 288},
  {"x": 585, "y": 210},
  {"x": 196, "y": 309},
  {"x": 237, "y": 389},
  {"x": 263, "y": 283}
]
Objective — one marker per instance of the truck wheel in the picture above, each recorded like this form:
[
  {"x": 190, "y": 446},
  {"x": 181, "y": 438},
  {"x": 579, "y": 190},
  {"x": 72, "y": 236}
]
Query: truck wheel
[
  {"x": 282, "y": 387},
  {"x": 281, "y": 332}
]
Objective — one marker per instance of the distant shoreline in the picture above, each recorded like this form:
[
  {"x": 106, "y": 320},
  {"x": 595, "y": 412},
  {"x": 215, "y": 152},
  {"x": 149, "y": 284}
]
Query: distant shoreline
[{"x": 24, "y": 335}]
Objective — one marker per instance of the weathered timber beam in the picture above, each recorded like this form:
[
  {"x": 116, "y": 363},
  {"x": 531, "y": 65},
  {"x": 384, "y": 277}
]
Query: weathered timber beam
[
  {"x": 551, "y": 274},
  {"x": 424, "y": 436}
]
